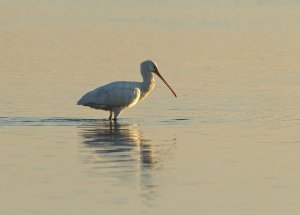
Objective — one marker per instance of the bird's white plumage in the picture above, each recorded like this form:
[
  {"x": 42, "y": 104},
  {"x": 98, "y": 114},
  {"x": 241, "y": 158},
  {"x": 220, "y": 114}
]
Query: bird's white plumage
[{"x": 117, "y": 96}]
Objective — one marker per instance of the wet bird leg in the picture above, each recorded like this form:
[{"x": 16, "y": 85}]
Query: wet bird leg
[{"x": 110, "y": 116}]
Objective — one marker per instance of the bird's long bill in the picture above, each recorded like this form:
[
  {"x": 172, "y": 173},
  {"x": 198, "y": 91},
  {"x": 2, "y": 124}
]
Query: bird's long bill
[{"x": 159, "y": 75}]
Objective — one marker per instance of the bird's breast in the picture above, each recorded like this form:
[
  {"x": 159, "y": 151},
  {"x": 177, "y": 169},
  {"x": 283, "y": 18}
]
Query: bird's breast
[{"x": 146, "y": 89}]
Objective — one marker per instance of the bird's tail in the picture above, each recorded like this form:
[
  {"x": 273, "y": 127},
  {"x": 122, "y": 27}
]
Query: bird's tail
[{"x": 80, "y": 102}]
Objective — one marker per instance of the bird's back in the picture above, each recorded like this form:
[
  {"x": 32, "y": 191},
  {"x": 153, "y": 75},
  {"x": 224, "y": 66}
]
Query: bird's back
[{"x": 116, "y": 94}]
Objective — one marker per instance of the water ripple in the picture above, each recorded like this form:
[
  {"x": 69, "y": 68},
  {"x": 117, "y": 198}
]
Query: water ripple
[{"x": 47, "y": 121}]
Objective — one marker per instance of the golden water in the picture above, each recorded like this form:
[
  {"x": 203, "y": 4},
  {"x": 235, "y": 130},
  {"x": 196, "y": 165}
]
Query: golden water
[{"x": 229, "y": 144}]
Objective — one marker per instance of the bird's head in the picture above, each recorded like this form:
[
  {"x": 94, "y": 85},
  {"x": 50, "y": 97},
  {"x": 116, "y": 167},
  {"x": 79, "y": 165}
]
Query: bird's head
[{"x": 151, "y": 66}]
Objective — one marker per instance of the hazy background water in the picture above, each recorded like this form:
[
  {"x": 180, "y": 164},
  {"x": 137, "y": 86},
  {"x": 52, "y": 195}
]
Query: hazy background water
[{"x": 229, "y": 144}]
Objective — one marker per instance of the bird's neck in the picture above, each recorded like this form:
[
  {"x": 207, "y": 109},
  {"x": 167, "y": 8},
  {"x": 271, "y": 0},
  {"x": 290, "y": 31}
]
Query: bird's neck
[{"x": 147, "y": 85}]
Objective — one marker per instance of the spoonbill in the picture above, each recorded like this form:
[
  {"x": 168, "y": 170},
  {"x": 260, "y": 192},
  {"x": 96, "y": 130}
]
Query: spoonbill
[{"x": 119, "y": 95}]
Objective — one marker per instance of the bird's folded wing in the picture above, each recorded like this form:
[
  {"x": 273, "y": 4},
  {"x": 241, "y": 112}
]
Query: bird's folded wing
[{"x": 116, "y": 94}]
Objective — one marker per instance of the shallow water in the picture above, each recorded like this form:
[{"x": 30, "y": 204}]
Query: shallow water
[{"x": 229, "y": 144}]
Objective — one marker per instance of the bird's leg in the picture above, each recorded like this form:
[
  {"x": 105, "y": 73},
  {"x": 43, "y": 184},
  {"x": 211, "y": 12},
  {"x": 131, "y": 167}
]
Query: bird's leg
[
  {"x": 117, "y": 112},
  {"x": 110, "y": 116}
]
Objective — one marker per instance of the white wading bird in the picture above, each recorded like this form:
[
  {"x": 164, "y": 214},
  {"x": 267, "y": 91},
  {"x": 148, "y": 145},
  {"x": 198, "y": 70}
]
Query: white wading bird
[{"x": 117, "y": 96}]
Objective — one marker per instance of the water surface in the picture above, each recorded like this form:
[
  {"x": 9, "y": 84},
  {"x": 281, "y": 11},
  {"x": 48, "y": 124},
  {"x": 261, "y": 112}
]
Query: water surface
[{"x": 229, "y": 144}]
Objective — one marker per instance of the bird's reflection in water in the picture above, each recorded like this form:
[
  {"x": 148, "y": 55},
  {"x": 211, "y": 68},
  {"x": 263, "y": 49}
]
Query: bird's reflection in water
[
  {"x": 119, "y": 153},
  {"x": 120, "y": 144}
]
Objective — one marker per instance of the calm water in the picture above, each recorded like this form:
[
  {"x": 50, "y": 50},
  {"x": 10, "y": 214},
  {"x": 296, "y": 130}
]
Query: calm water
[{"x": 229, "y": 144}]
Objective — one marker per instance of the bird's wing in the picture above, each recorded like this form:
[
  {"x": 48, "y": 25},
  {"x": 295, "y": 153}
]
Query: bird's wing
[{"x": 116, "y": 94}]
